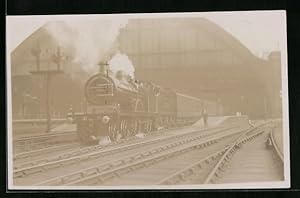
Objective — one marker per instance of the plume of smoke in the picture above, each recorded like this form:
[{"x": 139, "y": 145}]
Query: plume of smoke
[
  {"x": 121, "y": 62},
  {"x": 91, "y": 41}
]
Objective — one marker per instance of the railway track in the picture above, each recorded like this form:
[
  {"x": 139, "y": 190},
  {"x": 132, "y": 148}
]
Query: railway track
[
  {"x": 182, "y": 167},
  {"x": 219, "y": 167},
  {"x": 121, "y": 145},
  {"x": 254, "y": 162},
  {"x": 72, "y": 149},
  {"x": 43, "y": 141},
  {"x": 30, "y": 148},
  {"x": 211, "y": 168},
  {"x": 79, "y": 164},
  {"x": 275, "y": 147},
  {"x": 135, "y": 161},
  {"x": 145, "y": 156},
  {"x": 34, "y": 155},
  {"x": 56, "y": 168},
  {"x": 148, "y": 170}
]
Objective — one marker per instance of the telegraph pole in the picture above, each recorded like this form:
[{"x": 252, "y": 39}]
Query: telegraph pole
[{"x": 47, "y": 74}]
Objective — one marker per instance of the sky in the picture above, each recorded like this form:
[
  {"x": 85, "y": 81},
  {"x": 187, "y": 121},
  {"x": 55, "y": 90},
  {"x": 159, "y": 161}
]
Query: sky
[{"x": 259, "y": 31}]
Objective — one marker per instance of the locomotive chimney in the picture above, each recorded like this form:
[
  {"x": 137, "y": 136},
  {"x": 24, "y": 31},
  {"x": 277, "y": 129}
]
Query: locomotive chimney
[{"x": 103, "y": 68}]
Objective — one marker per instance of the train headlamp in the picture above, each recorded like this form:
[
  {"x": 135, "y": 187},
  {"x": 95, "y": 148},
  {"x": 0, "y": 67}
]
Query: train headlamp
[{"x": 105, "y": 119}]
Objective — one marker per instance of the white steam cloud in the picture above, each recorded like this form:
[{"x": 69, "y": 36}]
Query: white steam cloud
[
  {"x": 91, "y": 41},
  {"x": 123, "y": 63}
]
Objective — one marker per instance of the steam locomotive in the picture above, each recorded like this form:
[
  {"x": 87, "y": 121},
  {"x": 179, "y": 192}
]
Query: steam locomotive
[{"x": 118, "y": 106}]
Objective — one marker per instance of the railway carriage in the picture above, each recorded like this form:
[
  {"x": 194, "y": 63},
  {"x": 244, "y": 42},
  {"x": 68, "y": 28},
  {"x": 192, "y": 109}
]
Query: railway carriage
[{"x": 119, "y": 106}]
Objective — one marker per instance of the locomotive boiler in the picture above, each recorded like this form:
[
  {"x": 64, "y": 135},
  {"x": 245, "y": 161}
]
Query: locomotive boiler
[{"x": 119, "y": 106}]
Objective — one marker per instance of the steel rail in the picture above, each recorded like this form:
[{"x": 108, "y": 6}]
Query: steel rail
[
  {"x": 66, "y": 179},
  {"x": 94, "y": 152},
  {"x": 82, "y": 150},
  {"x": 54, "y": 134},
  {"x": 185, "y": 172},
  {"x": 275, "y": 146},
  {"x": 182, "y": 174},
  {"x": 37, "y": 152},
  {"x": 123, "y": 166},
  {"x": 20, "y": 172},
  {"x": 228, "y": 155},
  {"x": 29, "y": 143},
  {"x": 45, "y": 150},
  {"x": 132, "y": 162}
]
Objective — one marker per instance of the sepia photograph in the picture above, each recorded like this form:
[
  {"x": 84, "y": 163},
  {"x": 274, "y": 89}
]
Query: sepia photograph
[{"x": 148, "y": 101}]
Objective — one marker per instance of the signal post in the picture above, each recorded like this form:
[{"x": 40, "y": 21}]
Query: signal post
[{"x": 48, "y": 75}]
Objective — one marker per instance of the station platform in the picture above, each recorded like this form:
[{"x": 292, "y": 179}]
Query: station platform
[
  {"x": 253, "y": 163},
  {"x": 225, "y": 120}
]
